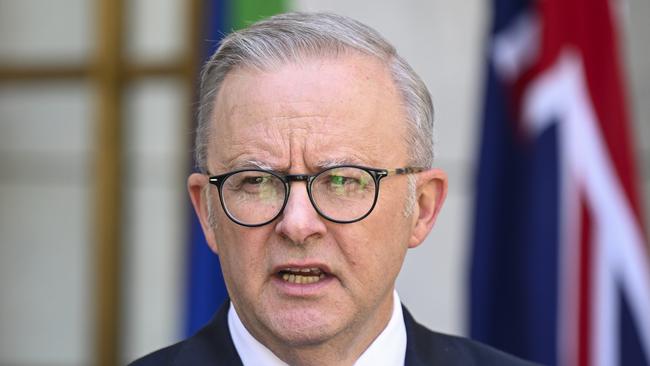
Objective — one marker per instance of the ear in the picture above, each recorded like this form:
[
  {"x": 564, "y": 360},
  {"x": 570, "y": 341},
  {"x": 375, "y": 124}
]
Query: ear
[
  {"x": 431, "y": 190},
  {"x": 197, "y": 185}
]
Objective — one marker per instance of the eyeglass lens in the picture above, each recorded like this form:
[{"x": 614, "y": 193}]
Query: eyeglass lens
[{"x": 255, "y": 197}]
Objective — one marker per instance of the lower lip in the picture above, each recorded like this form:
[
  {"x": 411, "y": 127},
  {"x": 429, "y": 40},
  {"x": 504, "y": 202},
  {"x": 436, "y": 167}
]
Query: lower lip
[{"x": 303, "y": 289}]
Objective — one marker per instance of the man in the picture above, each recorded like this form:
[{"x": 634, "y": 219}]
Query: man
[{"x": 302, "y": 118}]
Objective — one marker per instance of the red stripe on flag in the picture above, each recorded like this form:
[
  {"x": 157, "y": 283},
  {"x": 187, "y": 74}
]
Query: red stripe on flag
[
  {"x": 585, "y": 284},
  {"x": 599, "y": 44},
  {"x": 589, "y": 27}
]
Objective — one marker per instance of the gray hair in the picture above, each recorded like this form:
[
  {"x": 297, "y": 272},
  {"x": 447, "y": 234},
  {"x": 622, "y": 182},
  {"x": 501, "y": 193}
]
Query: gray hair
[{"x": 289, "y": 37}]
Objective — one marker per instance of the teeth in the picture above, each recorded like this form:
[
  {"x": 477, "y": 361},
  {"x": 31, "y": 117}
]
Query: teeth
[{"x": 302, "y": 279}]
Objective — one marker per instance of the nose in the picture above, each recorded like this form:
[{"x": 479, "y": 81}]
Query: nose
[{"x": 299, "y": 220}]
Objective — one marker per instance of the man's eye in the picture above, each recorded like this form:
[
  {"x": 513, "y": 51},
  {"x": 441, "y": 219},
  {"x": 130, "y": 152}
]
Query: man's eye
[
  {"x": 248, "y": 183},
  {"x": 348, "y": 184},
  {"x": 255, "y": 180},
  {"x": 339, "y": 180}
]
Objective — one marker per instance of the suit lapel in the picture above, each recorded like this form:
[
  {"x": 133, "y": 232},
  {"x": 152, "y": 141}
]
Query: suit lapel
[
  {"x": 413, "y": 357},
  {"x": 424, "y": 347},
  {"x": 212, "y": 345}
]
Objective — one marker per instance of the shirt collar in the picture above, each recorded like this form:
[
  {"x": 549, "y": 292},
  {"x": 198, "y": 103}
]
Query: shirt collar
[
  {"x": 250, "y": 350},
  {"x": 389, "y": 348}
]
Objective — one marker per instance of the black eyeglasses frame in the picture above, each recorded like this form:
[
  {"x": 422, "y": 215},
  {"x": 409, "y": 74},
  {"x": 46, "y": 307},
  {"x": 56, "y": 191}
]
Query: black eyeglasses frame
[{"x": 376, "y": 173}]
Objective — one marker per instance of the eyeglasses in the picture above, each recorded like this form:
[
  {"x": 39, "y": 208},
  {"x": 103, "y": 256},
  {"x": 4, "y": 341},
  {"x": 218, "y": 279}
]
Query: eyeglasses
[{"x": 341, "y": 194}]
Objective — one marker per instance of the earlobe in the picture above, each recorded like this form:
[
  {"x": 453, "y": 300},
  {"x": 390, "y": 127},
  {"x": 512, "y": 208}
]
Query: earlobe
[
  {"x": 197, "y": 186},
  {"x": 431, "y": 193}
]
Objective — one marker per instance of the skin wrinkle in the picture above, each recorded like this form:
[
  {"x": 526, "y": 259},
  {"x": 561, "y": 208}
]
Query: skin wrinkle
[{"x": 241, "y": 147}]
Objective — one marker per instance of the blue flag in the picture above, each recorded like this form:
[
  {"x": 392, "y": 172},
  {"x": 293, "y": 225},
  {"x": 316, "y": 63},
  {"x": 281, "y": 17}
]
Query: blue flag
[
  {"x": 205, "y": 287},
  {"x": 560, "y": 271}
]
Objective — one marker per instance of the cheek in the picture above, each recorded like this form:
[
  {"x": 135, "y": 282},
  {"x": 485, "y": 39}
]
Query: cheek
[
  {"x": 388, "y": 234},
  {"x": 242, "y": 252},
  {"x": 373, "y": 249}
]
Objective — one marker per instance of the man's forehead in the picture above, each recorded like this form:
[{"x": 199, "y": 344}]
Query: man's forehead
[
  {"x": 311, "y": 80},
  {"x": 312, "y": 152},
  {"x": 334, "y": 110}
]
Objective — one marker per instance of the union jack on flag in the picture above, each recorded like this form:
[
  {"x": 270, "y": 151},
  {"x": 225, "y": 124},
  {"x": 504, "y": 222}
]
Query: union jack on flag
[{"x": 560, "y": 263}]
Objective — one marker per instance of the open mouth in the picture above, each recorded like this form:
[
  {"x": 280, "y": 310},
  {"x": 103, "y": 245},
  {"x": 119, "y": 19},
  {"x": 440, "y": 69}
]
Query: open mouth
[{"x": 302, "y": 276}]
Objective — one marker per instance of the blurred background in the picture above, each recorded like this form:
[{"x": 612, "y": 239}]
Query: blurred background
[{"x": 96, "y": 125}]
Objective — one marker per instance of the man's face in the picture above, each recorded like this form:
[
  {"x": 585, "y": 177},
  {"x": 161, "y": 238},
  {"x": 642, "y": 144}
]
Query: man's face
[{"x": 298, "y": 119}]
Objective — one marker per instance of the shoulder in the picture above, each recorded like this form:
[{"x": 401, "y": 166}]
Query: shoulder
[
  {"x": 161, "y": 357},
  {"x": 211, "y": 345},
  {"x": 425, "y": 347}
]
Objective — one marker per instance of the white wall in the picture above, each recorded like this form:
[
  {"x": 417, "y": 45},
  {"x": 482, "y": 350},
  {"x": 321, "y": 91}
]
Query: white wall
[
  {"x": 44, "y": 223},
  {"x": 46, "y": 201},
  {"x": 155, "y": 214},
  {"x": 635, "y": 29}
]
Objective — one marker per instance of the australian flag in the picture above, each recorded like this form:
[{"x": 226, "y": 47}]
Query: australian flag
[{"x": 560, "y": 265}]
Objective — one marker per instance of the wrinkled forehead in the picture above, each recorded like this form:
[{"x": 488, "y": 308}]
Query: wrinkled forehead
[{"x": 338, "y": 106}]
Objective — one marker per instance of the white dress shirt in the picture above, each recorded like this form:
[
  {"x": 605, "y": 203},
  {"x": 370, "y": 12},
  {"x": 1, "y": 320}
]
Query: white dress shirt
[{"x": 389, "y": 348}]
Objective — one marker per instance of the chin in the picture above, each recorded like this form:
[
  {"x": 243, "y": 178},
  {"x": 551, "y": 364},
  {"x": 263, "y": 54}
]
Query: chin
[{"x": 304, "y": 328}]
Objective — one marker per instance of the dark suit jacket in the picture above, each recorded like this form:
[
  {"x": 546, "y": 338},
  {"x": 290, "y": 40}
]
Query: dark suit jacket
[{"x": 212, "y": 345}]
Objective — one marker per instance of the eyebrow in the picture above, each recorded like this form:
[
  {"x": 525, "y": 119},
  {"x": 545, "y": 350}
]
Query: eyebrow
[
  {"x": 251, "y": 163},
  {"x": 326, "y": 164},
  {"x": 319, "y": 165}
]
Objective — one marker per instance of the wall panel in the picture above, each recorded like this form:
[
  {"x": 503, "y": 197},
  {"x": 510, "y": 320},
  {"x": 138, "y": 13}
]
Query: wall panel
[
  {"x": 45, "y": 248},
  {"x": 156, "y": 214},
  {"x": 39, "y": 32}
]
